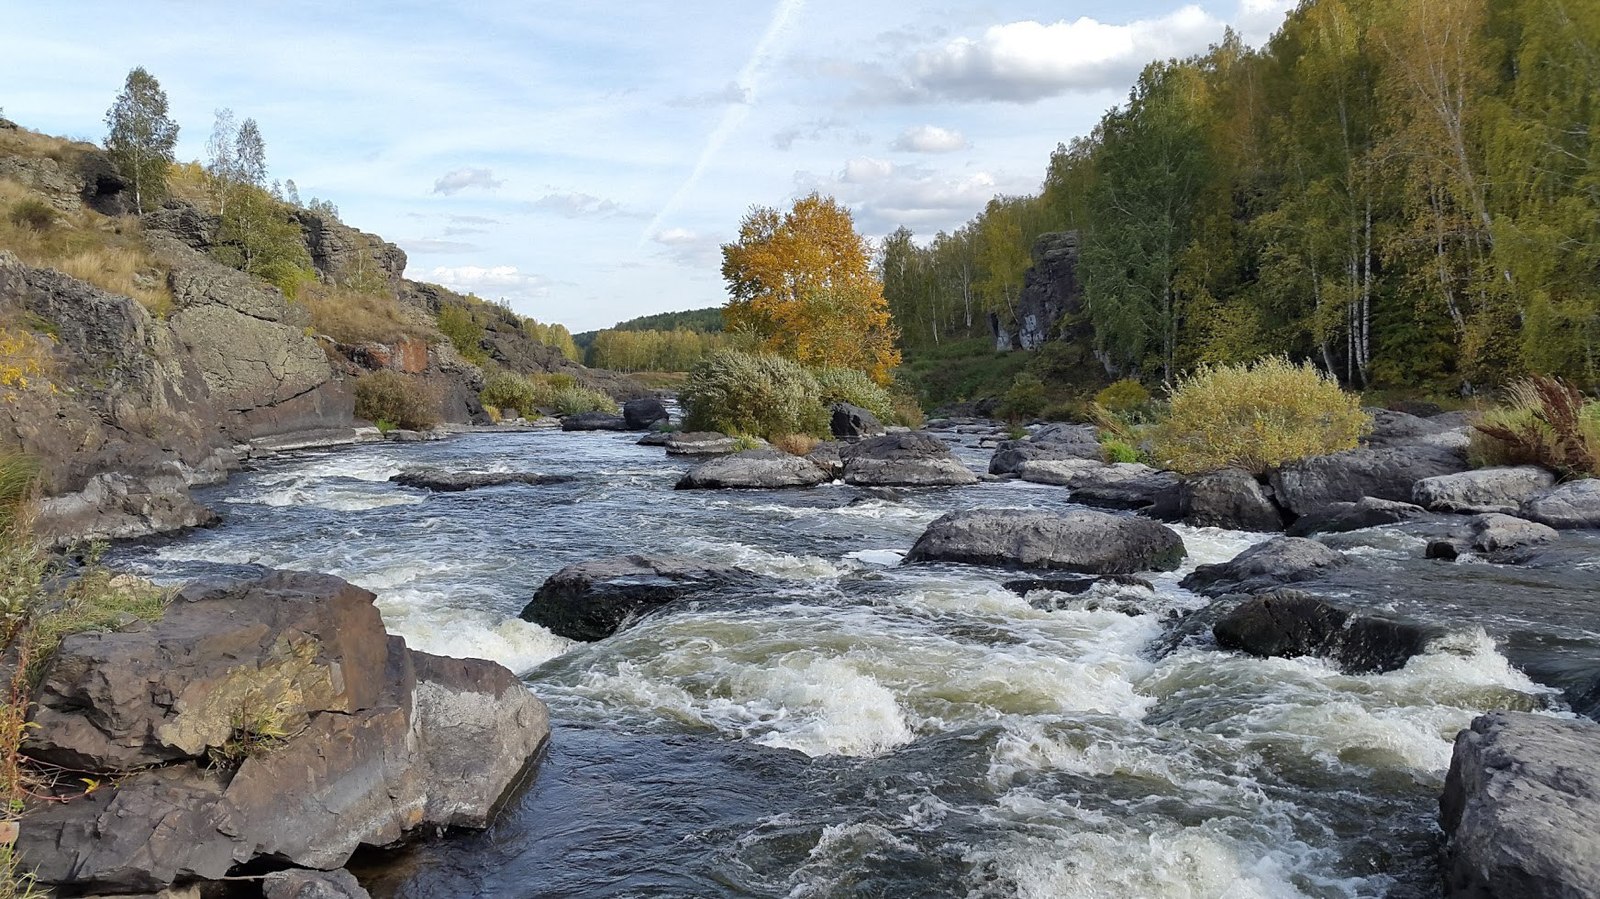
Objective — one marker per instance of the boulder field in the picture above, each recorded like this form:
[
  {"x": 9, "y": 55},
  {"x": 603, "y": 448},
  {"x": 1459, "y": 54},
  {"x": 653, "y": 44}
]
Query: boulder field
[{"x": 265, "y": 723}]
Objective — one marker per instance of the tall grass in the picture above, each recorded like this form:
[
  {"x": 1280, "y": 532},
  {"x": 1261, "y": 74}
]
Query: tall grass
[
  {"x": 108, "y": 253},
  {"x": 1544, "y": 421},
  {"x": 357, "y": 316}
]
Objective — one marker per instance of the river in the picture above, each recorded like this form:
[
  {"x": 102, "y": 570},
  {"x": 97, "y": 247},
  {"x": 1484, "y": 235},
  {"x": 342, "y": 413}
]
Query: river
[{"x": 859, "y": 728}]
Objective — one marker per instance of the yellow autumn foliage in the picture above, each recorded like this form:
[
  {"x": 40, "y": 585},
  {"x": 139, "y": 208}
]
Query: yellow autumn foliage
[{"x": 24, "y": 360}]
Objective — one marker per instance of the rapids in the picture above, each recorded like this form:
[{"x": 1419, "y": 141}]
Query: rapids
[{"x": 860, "y": 728}]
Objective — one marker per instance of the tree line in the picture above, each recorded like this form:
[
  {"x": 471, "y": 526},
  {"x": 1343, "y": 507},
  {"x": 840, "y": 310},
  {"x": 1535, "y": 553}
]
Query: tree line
[{"x": 1404, "y": 192}]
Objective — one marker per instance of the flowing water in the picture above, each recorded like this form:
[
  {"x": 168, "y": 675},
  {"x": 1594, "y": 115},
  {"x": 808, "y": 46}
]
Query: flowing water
[{"x": 858, "y": 728}]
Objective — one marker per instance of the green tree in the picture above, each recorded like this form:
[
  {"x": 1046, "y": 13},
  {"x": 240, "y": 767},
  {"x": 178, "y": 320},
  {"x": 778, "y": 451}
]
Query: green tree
[{"x": 141, "y": 136}]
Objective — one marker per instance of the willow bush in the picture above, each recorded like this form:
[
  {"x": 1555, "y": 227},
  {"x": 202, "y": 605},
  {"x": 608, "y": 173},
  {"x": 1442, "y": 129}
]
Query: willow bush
[
  {"x": 759, "y": 394},
  {"x": 1255, "y": 417}
]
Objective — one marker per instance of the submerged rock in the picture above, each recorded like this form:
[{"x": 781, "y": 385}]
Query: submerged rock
[
  {"x": 443, "y": 481},
  {"x": 1388, "y": 473},
  {"x": 1073, "y": 585},
  {"x": 1089, "y": 542},
  {"x": 760, "y": 469},
  {"x": 593, "y": 600},
  {"x": 1367, "y": 512},
  {"x": 641, "y": 413},
  {"x": 595, "y": 421},
  {"x": 298, "y": 883},
  {"x": 1571, "y": 505},
  {"x": 1521, "y": 808},
  {"x": 1231, "y": 498},
  {"x": 1265, "y": 566},
  {"x": 281, "y": 722},
  {"x": 853, "y": 421},
  {"x": 908, "y": 459},
  {"x": 1289, "y": 624},
  {"x": 1485, "y": 490}
]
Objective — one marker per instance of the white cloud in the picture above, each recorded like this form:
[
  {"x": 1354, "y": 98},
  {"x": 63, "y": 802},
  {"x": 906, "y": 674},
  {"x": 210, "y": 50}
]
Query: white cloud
[
  {"x": 1027, "y": 61},
  {"x": 461, "y": 179},
  {"x": 493, "y": 282},
  {"x": 731, "y": 93},
  {"x": 576, "y": 205},
  {"x": 1258, "y": 19},
  {"x": 689, "y": 248},
  {"x": 929, "y": 139},
  {"x": 866, "y": 170},
  {"x": 817, "y": 130},
  {"x": 424, "y": 246},
  {"x": 923, "y": 199}
]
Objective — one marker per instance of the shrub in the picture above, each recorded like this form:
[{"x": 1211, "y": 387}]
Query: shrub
[
  {"x": 407, "y": 401},
  {"x": 1126, "y": 395},
  {"x": 747, "y": 393},
  {"x": 846, "y": 385},
  {"x": 458, "y": 325},
  {"x": 1119, "y": 450},
  {"x": 1256, "y": 416},
  {"x": 578, "y": 400},
  {"x": 907, "y": 411},
  {"x": 795, "y": 444},
  {"x": 507, "y": 390},
  {"x": 1544, "y": 422},
  {"x": 33, "y": 213},
  {"x": 1024, "y": 399}
]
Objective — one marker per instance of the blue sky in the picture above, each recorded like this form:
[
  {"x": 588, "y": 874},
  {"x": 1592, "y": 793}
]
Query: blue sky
[{"x": 585, "y": 161}]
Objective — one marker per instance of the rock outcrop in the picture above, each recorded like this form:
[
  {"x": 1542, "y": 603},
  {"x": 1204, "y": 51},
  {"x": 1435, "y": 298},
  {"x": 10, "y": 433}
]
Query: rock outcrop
[
  {"x": 701, "y": 443},
  {"x": 1050, "y": 290},
  {"x": 268, "y": 720},
  {"x": 1265, "y": 566},
  {"x": 1367, "y": 512},
  {"x": 1388, "y": 473},
  {"x": 759, "y": 469},
  {"x": 846, "y": 420},
  {"x": 1053, "y": 443},
  {"x": 1520, "y": 809},
  {"x": 1230, "y": 498},
  {"x": 1289, "y": 624},
  {"x": 1085, "y": 542},
  {"x": 1129, "y": 485},
  {"x": 593, "y": 600},
  {"x": 595, "y": 421},
  {"x": 1502, "y": 490},
  {"x": 910, "y": 459},
  {"x": 1572, "y": 505}
]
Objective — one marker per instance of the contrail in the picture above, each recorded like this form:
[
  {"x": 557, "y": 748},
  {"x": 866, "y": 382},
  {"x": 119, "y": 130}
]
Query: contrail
[{"x": 736, "y": 113}]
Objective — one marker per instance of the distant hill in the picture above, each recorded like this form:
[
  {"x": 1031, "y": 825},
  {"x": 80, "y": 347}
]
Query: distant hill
[{"x": 703, "y": 320}]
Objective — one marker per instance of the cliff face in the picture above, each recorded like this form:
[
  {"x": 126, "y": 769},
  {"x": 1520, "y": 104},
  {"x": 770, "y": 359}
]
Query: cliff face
[{"x": 1050, "y": 291}]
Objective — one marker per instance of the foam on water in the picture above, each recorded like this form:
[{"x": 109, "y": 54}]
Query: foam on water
[{"x": 336, "y": 496}]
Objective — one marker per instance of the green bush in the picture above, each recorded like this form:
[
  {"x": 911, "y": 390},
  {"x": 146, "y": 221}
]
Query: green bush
[
  {"x": 757, "y": 394},
  {"x": 407, "y": 401},
  {"x": 1544, "y": 422},
  {"x": 464, "y": 332},
  {"x": 847, "y": 385},
  {"x": 1024, "y": 399},
  {"x": 1119, "y": 451},
  {"x": 33, "y": 213},
  {"x": 578, "y": 400},
  {"x": 1256, "y": 417},
  {"x": 508, "y": 390},
  {"x": 1126, "y": 395},
  {"x": 907, "y": 411}
]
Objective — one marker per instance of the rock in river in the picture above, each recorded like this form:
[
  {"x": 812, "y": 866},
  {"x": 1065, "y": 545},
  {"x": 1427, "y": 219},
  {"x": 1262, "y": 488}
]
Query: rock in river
[
  {"x": 847, "y": 420},
  {"x": 1051, "y": 443},
  {"x": 760, "y": 469},
  {"x": 1087, "y": 542},
  {"x": 1366, "y": 512},
  {"x": 1265, "y": 566},
  {"x": 595, "y": 421},
  {"x": 701, "y": 443},
  {"x": 443, "y": 481},
  {"x": 1502, "y": 538},
  {"x": 1572, "y": 505},
  {"x": 909, "y": 459},
  {"x": 1386, "y": 473},
  {"x": 1484, "y": 490},
  {"x": 1289, "y": 624},
  {"x": 1521, "y": 808},
  {"x": 641, "y": 413},
  {"x": 1230, "y": 498},
  {"x": 593, "y": 600}
]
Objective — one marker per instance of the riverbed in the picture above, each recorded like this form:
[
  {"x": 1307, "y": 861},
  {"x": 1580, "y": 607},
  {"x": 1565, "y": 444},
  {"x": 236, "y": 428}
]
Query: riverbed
[{"x": 855, "y": 727}]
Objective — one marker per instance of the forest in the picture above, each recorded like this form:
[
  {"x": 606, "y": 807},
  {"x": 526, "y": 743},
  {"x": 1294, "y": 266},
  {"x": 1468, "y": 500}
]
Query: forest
[{"x": 1406, "y": 194}]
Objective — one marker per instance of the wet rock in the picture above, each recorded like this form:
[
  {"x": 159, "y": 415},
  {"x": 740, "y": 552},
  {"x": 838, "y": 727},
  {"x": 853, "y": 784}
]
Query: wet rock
[
  {"x": 1367, "y": 512},
  {"x": 1088, "y": 542},
  {"x": 1289, "y": 624},
  {"x": 701, "y": 443},
  {"x": 1501, "y": 538},
  {"x": 1073, "y": 585},
  {"x": 593, "y": 600},
  {"x": 1231, "y": 498},
  {"x": 1129, "y": 485},
  {"x": 594, "y": 421},
  {"x": 298, "y": 883},
  {"x": 1571, "y": 505},
  {"x": 1052, "y": 443},
  {"x": 1501, "y": 490},
  {"x": 853, "y": 421},
  {"x": 641, "y": 413},
  {"x": 440, "y": 480},
  {"x": 910, "y": 459},
  {"x": 374, "y": 742},
  {"x": 1055, "y": 472},
  {"x": 1265, "y": 566},
  {"x": 114, "y": 506},
  {"x": 1308, "y": 485},
  {"x": 1520, "y": 809},
  {"x": 656, "y": 438},
  {"x": 826, "y": 456},
  {"x": 761, "y": 469}
]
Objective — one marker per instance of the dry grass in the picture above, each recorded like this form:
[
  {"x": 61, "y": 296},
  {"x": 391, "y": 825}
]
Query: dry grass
[
  {"x": 353, "y": 316},
  {"x": 1545, "y": 421},
  {"x": 796, "y": 444},
  {"x": 108, "y": 253},
  {"x": 33, "y": 145}
]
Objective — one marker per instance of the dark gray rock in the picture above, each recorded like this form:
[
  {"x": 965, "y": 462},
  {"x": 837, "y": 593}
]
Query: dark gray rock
[
  {"x": 1129, "y": 485},
  {"x": 701, "y": 443},
  {"x": 641, "y": 413},
  {"x": 1288, "y": 624},
  {"x": 826, "y": 456},
  {"x": 1388, "y": 473},
  {"x": 1572, "y": 505},
  {"x": 854, "y": 421},
  {"x": 1499, "y": 538},
  {"x": 656, "y": 438},
  {"x": 1265, "y": 566},
  {"x": 442, "y": 481},
  {"x": 298, "y": 883},
  {"x": 1502, "y": 490},
  {"x": 909, "y": 459},
  {"x": 594, "y": 421},
  {"x": 1050, "y": 290},
  {"x": 760, "y": 469},
  {"x": 1088, "y": 542},
  {"x": 1366, "y": 512},
  {"x": 1073, "y": 584},
  {"x": 342, "y": 254},
  {"x": 1055, "y": 472},
  {"x": 1053, "y": 443},
  {"x": 1521, "y": 808},
  {"x": 593, "y": 600},
  {"x": 1231, "y": 498}
]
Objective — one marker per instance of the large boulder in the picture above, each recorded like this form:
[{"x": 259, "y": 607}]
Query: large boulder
[
  {"x": 444, "y": 481},
  {"x": 1129, "y": 485},
  {"x": 1571, "y": 505},
  {"x": 759, "y": 469},
  {"x": 1265, "y": 566},
  {"x": 1392, "y": 428},
  {"x": 641, "y": 413},
  {"x": 595, "y": 421},
  {"x": 909, "y": 459},
  {"x": 1055, "y": 472},
  {"x": 1289, "y": 624},
  {"x": 1366, "y": 512},
  {"x": 1501, "y": 538},
  {"x": 593, "y": 600},
  {"x": 1086, "y": 542},
  {"x": 847, "y": 420},
  {"x": 266, "y": 721},
  {"x": 1231, "y": 498},
  {"x": 1521, "y": 808},
  {"x": 701, "y": 443},
  {"x": 1501, "y": 490},
  {"x": 1389, "y": 473},
  {"x": 1052, "y": 443}
]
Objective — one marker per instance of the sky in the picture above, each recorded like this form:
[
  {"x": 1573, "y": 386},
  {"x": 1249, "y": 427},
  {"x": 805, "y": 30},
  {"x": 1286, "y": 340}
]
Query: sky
[{"x": 586, "y": 161}]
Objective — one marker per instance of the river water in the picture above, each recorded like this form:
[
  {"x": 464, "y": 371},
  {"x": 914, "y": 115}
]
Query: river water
[{"x": 858, "y": 728}]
